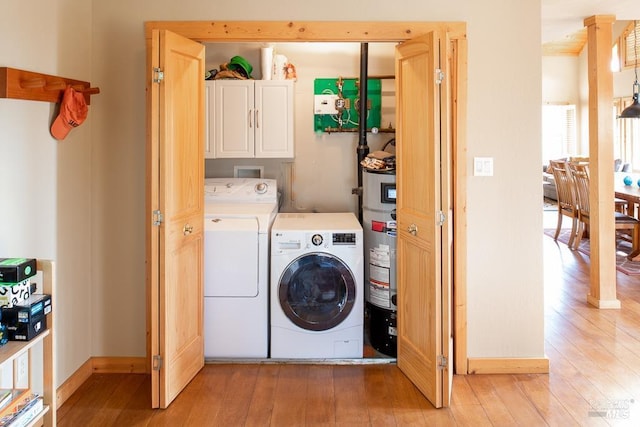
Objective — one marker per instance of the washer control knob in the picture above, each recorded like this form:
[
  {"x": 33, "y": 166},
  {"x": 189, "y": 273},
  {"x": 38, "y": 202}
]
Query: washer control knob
[
  {"x": 261, "y": 187},
  {"x": 316, "y": 239}
]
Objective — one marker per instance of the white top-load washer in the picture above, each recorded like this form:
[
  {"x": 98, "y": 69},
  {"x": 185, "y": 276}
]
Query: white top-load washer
[
  {"x": 317, "y": 264},
  {"x": 239, "y": 213}
]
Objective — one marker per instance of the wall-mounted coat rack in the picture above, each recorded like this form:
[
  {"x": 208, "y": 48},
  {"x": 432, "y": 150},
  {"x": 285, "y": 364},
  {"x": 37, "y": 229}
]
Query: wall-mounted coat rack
[{"x": 20, "y": 84}]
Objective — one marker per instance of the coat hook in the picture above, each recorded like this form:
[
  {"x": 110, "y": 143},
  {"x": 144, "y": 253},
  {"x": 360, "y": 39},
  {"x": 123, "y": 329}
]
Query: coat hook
[
  {"x": 90, "y": 91},
  {"x": 22, "y": 84}
]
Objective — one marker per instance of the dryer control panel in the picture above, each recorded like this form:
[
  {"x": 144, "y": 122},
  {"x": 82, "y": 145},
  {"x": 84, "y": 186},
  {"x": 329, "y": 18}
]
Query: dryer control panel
[{"x": 240, "y": 190}]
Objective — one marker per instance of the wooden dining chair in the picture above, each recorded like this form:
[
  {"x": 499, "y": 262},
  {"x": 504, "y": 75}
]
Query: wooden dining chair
[
  {"x": 567, "y": 198},
  {"x": 624, "y": 223}
]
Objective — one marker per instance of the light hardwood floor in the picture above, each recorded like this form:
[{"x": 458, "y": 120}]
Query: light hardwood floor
[{"x": 594, "y": 379}]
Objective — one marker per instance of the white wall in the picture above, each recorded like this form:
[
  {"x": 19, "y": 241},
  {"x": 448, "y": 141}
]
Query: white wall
[
  {"x": 505, "y": 295},
  {"x": 46, "y": 194},
  {"x": 623, "y": 83},
  {"x": 559, "y": 80}
]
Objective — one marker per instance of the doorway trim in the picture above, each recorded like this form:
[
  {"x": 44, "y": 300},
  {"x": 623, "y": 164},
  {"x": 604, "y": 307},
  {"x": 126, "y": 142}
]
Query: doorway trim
[{"x": 367, "y": 32}]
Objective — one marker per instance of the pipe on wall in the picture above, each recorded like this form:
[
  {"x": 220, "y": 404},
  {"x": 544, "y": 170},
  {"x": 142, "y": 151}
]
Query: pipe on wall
[{"x": 363, "y": 149}]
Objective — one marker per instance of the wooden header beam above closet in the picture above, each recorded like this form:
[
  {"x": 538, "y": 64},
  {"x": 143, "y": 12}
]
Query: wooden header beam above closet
[
  {"x": 20, "y": 84},
  {"x": 316, "y": 31}
]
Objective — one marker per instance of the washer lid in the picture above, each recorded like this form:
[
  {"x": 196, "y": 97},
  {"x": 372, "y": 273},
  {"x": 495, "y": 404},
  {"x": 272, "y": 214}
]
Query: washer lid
[{"x": 314, "y": 222}]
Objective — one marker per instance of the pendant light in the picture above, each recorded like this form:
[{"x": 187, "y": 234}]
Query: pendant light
[{"x": 633, "y": 110}]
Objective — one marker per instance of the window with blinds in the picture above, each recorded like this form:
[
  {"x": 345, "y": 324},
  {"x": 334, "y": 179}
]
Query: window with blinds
[
  {"x": 631, "y": 51},
  {"x": 558, "y": 132}
]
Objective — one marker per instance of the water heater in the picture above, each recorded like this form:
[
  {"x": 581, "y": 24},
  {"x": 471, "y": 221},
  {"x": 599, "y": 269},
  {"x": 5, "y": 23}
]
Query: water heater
[{"x": 379, "y": 225}]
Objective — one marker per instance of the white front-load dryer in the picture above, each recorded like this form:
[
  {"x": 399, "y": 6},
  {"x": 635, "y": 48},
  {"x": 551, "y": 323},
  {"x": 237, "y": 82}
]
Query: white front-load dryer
[{"x": 317, "y": 264}]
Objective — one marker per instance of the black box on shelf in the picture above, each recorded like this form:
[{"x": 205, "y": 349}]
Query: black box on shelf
[
  {"x": 27, "y": 331},
  {"x": 36, "y": 306},
  {"x": 14, "y": 270}
]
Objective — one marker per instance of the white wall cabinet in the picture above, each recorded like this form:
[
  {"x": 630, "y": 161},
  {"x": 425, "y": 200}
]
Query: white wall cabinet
[{"x": 249, "y": 119}]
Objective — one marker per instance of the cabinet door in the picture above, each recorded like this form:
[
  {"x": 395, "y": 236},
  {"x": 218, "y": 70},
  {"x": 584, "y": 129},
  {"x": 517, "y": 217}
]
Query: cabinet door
[
  {"x": 274, "y": 118},
  {"x": 234, "y": 119}
]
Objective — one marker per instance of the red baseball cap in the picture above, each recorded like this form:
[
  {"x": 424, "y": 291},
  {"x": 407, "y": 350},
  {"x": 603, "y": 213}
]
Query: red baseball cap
[{"x": 73, "y": 111}]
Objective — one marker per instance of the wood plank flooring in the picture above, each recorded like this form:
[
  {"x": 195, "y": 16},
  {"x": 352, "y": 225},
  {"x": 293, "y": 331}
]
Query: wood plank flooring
[{"x": 594, "y": 379}]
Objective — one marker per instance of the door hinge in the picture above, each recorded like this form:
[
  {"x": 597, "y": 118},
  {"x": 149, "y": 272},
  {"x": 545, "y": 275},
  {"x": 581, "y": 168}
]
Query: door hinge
[
  {"x": 442, "y": 362},
  {"x": 157, "y": 362},
  {"x": 441, "y": 218},
  {"x": 158, "y": 75},
  {"x": 157, "y": 217},
  {"x": 439, "y": 76}
]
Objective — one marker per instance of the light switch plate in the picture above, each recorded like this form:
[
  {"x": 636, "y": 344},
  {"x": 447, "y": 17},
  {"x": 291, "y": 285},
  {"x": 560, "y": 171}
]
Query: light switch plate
[{"x": 483, "y": 166}]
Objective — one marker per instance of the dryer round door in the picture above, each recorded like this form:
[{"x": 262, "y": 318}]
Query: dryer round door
[{"x": 317, "y": 291}]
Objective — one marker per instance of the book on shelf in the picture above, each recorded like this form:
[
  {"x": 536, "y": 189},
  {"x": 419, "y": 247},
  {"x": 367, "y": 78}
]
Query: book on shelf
[
  {"x": 16, "y": 397},
  {"x": 24, "y": 412},
  {"x": 6, "y": 394}
]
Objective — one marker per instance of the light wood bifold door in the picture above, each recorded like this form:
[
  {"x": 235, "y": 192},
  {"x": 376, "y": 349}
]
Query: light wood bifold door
[
  {"x": 421, "y": 350},
  {"x": 175, "y": 211}
]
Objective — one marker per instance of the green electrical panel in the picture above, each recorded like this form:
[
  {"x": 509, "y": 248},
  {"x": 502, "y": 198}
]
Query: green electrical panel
[{"x": 336, "y": 104}]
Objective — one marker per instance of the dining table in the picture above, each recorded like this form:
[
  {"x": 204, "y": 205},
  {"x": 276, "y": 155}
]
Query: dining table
[{"x": 627, "y": 187}]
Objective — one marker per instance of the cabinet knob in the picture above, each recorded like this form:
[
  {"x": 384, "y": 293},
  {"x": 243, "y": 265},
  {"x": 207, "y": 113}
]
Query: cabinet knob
[
  {"x": 187, "y": 229},
  {"x": 413, "y": 229}
]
